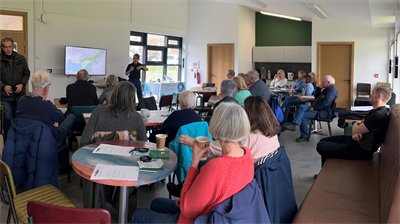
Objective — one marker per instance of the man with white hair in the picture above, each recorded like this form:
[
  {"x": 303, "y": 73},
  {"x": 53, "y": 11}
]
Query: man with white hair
[
  {"x": 34, "y": 106},
  {"x": 258, "y": 87},
  {"x": 321, "y": 109},
  {"x": 81, "y": 93}
]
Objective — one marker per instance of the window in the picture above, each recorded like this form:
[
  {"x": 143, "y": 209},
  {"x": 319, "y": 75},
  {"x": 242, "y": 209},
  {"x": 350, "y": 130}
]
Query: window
[
  {"x": 8, "y": 22},
  {"x": 161, "y": 54}
]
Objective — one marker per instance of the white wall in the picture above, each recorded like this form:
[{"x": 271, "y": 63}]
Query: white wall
[
  {"x": 246, "y": 38},
  {"x": 99, "y": 24},
  {"x": 370, "y": 53},
  {"x": 210, "y": 22}
]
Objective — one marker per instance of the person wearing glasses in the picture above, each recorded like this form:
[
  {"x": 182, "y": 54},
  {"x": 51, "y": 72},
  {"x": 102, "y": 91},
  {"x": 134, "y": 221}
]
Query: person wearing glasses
[{"x": 34, "y": 106}]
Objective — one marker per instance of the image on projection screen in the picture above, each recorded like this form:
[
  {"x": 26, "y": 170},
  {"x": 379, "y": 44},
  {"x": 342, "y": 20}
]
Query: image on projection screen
[{"x": 92, "y": 59}]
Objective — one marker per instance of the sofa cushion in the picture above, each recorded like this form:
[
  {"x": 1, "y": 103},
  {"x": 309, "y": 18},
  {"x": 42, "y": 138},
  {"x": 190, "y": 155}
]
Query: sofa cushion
[{"x": 345, "y": 191}]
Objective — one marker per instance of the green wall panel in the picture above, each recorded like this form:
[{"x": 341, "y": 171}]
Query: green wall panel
[{"x": 274, "y": 31}]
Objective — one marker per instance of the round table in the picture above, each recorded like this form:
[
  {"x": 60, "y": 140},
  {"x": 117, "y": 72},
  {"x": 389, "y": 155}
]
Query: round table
[{"x": 84, "y": 162}]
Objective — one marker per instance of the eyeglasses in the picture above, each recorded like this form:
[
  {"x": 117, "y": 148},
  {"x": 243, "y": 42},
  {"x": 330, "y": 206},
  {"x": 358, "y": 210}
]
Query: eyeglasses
[{"x": 48, "y": 85}]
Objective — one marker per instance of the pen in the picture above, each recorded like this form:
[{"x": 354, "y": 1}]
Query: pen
[{"x": 132, "y": 150}]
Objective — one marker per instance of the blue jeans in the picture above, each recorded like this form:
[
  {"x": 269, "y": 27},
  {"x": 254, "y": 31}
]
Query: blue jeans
[
  {"x": 10, "y": 107},
  {"x": 288, "y": 102},
  {"x": 63, "y": 129},
  {"x": 138, "y": 86},
  {"x": 162, "y": 210},
  {"x": 302, "y": 116}
]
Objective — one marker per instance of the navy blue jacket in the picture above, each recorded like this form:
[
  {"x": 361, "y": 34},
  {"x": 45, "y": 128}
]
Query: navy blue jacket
[
  {"x": 274, "y": 177},
  {"x": 324, "y": 102},
  {"x": 246, "y": 206},
  {"x": 31, "y": 153},
  {"x": 176, "y": 120}
]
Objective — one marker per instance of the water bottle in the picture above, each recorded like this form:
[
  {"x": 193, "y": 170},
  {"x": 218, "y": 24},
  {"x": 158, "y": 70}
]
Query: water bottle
[{"x": 263, "y": 73}]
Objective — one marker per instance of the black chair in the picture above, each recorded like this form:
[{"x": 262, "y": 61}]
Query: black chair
[
  {"x": 327, "y": 121},
  {"x": 148, "y": 103},
  {"x": 204, "y": 99},
  {"x": 166, "y": 101}
]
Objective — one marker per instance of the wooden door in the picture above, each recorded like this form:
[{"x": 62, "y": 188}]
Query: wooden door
[
  {"x": 19, "y": 36},
  {"x": 337, "y": 59},
  {"x": 220, "y": 58}
]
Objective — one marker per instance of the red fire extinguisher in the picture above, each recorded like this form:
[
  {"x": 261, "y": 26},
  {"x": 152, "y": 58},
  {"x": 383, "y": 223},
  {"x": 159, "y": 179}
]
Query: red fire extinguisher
[{"x": 198, "y": 77}]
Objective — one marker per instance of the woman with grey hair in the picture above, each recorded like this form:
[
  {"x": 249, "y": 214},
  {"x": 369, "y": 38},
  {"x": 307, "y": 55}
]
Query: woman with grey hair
[
  {"x": 120, "y": 115},
  {"x": 218, "y": 180},
  {"x": 111, "y": 83},
  {"x": 187, "y": 101},
  {"x": 228, "y": 88}
]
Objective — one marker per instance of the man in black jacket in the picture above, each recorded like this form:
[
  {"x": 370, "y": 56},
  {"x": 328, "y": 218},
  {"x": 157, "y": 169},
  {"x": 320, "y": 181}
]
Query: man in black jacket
[
  {"x": 81, "y": 93},
  {"x": 14, "y": 76},
  {"x": 321, "y": 109}
]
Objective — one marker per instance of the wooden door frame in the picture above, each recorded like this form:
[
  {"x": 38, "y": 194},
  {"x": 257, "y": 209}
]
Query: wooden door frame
[
  {"x": 209, "y": 46},
  {"x": 319, "y": 55},
  {"x": 24, "y": 25}
]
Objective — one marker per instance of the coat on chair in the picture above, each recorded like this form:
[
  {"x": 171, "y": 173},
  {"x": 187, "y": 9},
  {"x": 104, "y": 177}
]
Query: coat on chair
[
  {"x": 274, "y": 178},
  {"x": 184, "y": 153},
  {"x": 31, "y": 153},
  {"x": 246, "y": 206}
]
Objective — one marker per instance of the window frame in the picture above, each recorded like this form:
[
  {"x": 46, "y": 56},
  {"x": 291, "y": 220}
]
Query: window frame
[{"x": 164, "y": 50}]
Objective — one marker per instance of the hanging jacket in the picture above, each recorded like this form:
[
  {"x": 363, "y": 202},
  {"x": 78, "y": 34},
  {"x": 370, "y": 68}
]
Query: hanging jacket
[
  {"x": 31, "y": 153},
  {"x": 184, "y": 153},
  {"x": 246, "y": 206},
  {"x": 274, "y": 178},
  {"x": 274, "y": 104}
]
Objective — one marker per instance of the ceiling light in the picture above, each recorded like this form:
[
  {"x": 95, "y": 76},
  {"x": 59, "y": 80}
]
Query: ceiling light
[
  {"x": 280, "y": 15},
  {"x": 317, "y": 10},
  {"x": 260, "y": 3}
]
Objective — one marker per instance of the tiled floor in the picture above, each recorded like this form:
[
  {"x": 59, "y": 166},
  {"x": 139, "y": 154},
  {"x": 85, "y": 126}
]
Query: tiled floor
[{"x": 305, "y": 162}]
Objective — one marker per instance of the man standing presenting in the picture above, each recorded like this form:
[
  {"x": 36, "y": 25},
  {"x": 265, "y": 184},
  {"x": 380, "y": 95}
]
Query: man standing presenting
[
  {"x": 321, "y": 109},
  {"x": 14, "y": 76},
  {"x": 257, "y": 86},
  {"x": 133, "y": 71},
  {"x": 367, "y": 136}
]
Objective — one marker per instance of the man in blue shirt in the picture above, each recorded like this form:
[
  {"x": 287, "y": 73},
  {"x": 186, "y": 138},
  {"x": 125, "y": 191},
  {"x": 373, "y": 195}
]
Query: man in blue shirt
[
  {"x": 133, "y": 71},
  {"x": 321, "y": 109}
]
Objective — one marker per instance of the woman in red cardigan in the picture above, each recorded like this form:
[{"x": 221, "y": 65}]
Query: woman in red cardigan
[{"x": 218, "y": 180}]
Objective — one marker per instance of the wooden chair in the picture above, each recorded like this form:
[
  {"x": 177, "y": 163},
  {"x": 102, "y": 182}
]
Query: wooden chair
[
  {"x": 39, "y": 212},
  {"x": 327, "y": 121},
  {"x": 17, "y": 202},
  {"x": 363, "y": 89},
  {"x": 166, "y": 101}
]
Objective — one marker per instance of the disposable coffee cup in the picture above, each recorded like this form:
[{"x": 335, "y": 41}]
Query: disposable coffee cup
[
  {"x": 203, "y": 142},
  {"x": 144, "y": 112},
  {"x": 160, "y": 141}
]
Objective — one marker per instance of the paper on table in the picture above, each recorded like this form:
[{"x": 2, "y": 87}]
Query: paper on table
[
  {"x": 113, "y": 150},
  {"x": 111, "y": 172}
]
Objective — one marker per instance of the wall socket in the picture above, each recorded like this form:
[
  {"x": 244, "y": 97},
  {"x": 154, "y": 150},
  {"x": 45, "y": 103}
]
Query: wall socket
[{"x": 49, "y": 70}]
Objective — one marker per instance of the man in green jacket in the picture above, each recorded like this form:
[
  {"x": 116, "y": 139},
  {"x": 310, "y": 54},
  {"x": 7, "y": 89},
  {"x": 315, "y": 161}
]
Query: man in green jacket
[{"x": 14, "y": 75}]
